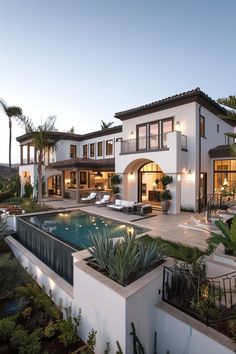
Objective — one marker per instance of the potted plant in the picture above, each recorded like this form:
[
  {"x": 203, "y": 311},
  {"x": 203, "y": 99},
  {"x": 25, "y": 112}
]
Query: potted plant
[
  {"x": 165, "y": 201},
  {"x": 166, "y": 194},
  {"x": 115, "y": 180}
]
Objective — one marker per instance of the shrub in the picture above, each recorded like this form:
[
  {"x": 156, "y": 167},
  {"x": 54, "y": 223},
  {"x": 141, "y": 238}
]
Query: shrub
[
  {"x": 11, "y": 275},
  {"x": 68, "y": 328},
  {"x": 165, "y": 180},
  {"x": 227, "y": 237},
  {"x": 166, "y": 195},
  {"x": 24, "y": 342},
  {"x": 7, "y": 326},
  {"x": 180, "y": 252},
  {"x": 50, "y": 330},
  {"x": 41, "y": 301},
  {"x": 28, "y": 190}
]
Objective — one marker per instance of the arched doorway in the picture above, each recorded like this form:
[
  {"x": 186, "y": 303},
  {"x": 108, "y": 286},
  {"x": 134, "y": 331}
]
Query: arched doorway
[{"x": 149, "y": 183}]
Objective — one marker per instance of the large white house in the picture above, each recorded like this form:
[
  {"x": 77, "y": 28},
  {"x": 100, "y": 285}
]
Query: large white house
[{"x": 182, "y": 136}]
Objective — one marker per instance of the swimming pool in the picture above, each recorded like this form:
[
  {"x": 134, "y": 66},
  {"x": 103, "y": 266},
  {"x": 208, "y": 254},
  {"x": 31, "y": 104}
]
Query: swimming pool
[
  {"x": 77, "y": 227},
  {"x": 54, "y": 237}
]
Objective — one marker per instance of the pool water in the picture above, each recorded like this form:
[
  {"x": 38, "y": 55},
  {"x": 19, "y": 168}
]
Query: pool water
[{"x": 78, "y": 227}]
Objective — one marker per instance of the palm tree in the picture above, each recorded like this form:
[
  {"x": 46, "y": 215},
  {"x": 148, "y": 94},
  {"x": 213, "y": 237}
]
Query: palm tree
[
  {"x": 42, "y": 141},
  {"x": 106, "y": 125},
  {"x": 230, "y": 102},
  {"x": 11, "y": 112},
  {"x": 227, "y": 237}
]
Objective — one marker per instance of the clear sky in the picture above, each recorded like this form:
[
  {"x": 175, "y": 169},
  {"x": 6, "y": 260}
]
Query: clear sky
[{"x": 85, "y": 60}]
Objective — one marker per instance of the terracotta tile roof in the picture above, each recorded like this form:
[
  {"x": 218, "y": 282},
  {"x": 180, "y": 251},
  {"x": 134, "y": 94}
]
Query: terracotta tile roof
[
  {"x": 83, "y": 163},
  {"x": 221, "y": 151},
  {"x": 172, "y": 101},
  {"x": 75, "y": 137}
]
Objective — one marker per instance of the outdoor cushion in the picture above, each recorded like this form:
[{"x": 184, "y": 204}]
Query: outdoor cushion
[{"x": 118, "y": 202}]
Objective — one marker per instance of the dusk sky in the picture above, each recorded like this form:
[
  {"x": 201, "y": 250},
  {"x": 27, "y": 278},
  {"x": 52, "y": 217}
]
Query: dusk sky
[{"x": 85, "y": 60}]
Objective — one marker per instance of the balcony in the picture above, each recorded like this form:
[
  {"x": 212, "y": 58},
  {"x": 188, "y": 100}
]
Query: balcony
[{"x": 149, "y": 143}]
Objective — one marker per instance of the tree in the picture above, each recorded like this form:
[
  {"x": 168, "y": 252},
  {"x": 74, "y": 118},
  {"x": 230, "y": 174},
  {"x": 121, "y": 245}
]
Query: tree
[
  {"x": 42, "y": 141},
  {"x": 230, "y": 102},
  {"x": 11, "y": 112},
  {"x": 106, "y": 125}
]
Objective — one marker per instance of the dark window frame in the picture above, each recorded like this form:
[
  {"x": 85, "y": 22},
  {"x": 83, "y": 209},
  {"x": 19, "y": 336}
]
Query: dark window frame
[
  {"x": 160, "y": 133},
  {"x": 85, "y": 151},
  {"x": 92, "y": 150},
  {"x": 100, "y": 146},
  {"x": 202, "y": 126},
  {"x": 107, "y": 141},
  {"x": 73, "y": 151}
]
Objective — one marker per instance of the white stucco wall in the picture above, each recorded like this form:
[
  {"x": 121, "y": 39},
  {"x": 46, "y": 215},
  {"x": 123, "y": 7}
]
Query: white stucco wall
[
  {"x": 102, "y": 139},
  {"x": 186, "y": 335}
]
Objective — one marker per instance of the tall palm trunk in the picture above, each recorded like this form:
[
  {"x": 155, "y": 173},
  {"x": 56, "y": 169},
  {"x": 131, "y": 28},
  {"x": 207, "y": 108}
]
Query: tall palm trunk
[
  {"x": 40, "y": 161},
  {"x": 10, "y": 140}
]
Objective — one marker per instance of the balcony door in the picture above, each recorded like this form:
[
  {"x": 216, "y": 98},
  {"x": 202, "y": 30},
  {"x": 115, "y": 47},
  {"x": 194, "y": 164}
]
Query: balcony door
[{"x": 142, "y": 137}]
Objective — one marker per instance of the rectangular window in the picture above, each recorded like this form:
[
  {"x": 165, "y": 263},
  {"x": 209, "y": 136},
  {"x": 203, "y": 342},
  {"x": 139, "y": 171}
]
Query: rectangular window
[
  {"x": 142, "y": 137},
  {"x": 73, "y": 151},
  {"x": 100, "y": 148},
  {"x": 166, "y": 127},
  {"x": 202, "y": 126},
  {"x": 154, "y": 135},
  {"x": 109, "y": 147},
  {"x": 83, "y": 177},
  {"x": 85, "y": 151},
  {"x": 92, "y": 152},
  {"x": 218, "y": 128}
]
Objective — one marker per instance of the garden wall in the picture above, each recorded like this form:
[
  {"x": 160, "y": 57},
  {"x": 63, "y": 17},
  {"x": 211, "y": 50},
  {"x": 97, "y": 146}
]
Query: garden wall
[
  {"x": 110, "y": 308},
  {"x": 178, "y": 333}
]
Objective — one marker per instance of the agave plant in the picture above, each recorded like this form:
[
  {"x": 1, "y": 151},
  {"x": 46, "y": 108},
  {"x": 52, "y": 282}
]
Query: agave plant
[
  {"x": 120, "y": 259},
  {"x": 227, "y": 237}
]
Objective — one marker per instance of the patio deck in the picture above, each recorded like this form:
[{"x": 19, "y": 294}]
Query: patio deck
[{"x": 165, "y": 226}]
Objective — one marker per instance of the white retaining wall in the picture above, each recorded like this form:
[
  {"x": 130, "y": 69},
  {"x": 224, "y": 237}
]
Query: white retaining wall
[{"x": 177, "y": 333}]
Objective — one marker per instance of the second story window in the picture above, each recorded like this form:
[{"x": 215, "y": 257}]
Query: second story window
[
  {"x": 109, "y": 147},
  {"x": 202, "y": 127},
  {"x": 73, "y": 151},
  {"x": 218, "y": 128},
  {"x": 85, "y": 151},
  {"x": 92, "y": 153},
  {"x": 100, "y": 148}
]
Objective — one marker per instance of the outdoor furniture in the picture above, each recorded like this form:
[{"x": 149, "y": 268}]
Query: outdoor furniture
[
  {"x": 142, "y": 209},
  {"x": 105, "y": 200},
  {"x": 121, "y": 204},
  {"x": 90, "y": 198}
]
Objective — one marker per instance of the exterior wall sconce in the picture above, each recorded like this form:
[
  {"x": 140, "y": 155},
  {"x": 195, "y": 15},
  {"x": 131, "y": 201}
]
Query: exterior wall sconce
[
  {"x": 178, "y": 177},
  {"x": 201, "y": 175},
  {"x": 25, "y": 174},
  {"x": 131, "y": 176},
  {"x": 131, "y": 134},
  {"x": 177, "y": 126},
  {"x": 190, "y": 175}
]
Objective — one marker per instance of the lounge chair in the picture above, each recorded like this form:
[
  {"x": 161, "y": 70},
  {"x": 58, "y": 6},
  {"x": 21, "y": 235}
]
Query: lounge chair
[
  {"x": 90, "y": 198},
  {"x": 105, "y": 200}
]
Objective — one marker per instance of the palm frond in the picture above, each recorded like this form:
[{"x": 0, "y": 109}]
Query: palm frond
[{"x": 228, "y": 101}]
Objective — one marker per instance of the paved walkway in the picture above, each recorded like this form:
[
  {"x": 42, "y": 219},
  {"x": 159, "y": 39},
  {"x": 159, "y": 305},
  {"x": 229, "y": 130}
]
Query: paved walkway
[{"x": 177, "y": 228}]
